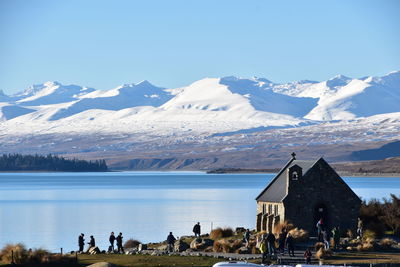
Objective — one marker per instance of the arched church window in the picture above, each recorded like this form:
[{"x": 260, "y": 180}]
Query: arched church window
[{"x": 295, "y": 176}]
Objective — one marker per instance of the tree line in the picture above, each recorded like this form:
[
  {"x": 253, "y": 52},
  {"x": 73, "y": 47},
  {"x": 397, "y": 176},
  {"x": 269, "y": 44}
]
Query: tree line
[
  {"x": 19, "y": 162},
  {"x": 381, "y": 216}
]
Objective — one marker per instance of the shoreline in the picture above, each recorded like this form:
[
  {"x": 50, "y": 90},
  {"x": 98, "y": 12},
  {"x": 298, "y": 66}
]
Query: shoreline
[{"x": 244, "y": 171}]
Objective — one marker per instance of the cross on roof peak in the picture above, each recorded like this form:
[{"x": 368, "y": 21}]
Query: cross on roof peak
[{"x": 293, "y": 155}]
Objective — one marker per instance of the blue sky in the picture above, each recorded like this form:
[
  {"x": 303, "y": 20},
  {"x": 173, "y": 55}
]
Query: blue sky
[{"x": 103, "y": 44}]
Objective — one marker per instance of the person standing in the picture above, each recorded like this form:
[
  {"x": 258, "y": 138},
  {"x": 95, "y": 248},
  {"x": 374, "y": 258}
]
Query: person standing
[
  {"x": 119, "y": 243},
  {"x": 360, "y": 228},
  {"x": 290, "y": 244},
  {"x": 263, "y": 247},
  {"x": 271, "y": 243},
  {"x": 170, "y": 242},
  {"x": 307, "y": 256},
  {"x": 247, "y": 237},
  {"x": 336, "y": 237},
  {"x": 112, "y": 240},
  {"x": 197, "y": 230},
  {"x": 81, "y": 242},
  {"x": 326, "y": 239},
  {"x": 282, "y": 240},
  {"x": 320, "y": 227},
  {"x": 92, "y": 243}
]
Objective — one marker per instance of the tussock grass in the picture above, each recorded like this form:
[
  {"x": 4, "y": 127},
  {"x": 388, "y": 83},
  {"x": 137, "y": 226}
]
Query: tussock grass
[
  {"x": 227, "y": 246},
  {"x": 37, "y": 256},
  {"x": 387, "y": 243},
  {"x": 322, "y": 253},
  {"x": 299, "y": 235},
  {"x": 369, "y": 234},
  {"x": 283, "y": 225},
  {"x": 20, "y": 253},
  {"x": 318, "y": 246},
  {"x": 219, "y": 232},
  {"x": 131, "y": 243}
]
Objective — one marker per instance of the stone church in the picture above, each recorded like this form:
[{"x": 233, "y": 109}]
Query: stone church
[{"x": 304, "y": 192}]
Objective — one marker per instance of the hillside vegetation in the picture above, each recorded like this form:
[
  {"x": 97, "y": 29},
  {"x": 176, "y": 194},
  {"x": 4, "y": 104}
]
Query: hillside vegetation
[{"x": 18, "y": 162}]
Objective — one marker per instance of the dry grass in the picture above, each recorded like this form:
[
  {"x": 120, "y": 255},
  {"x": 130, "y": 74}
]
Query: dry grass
[
  {"x": 280, "y": 226},
  {"x": 387, "y": 243},
  {"x": 20, "y": 253},
  {"x": 322, "y": 253},
  {"x": 227, "y": 246},
  {"x": 131, "y": 243},
  {"x": 367, "y": 244},
  {"x": 350, "y": 234},
  {"x": 299, "y": 235},
  {"x": 318, "y": 246},
  {"x": 36, "y": 256},
  {"x": 369, "y": 234},
  {"x": 219, "y": 232}
]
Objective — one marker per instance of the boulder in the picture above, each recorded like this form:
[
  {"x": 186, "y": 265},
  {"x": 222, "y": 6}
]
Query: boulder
[
  {"x": 102, "y": 264},
  {"x": 94, "y": 250},
  {"x": 199, "y": 243},
  {"x": 142, "y": 247},
  {"x": 208, "y": 242},
  {"x": 163, "y": 247},
  {"x": 244, "y": 250},
  {"x": 180, "y": 246}
]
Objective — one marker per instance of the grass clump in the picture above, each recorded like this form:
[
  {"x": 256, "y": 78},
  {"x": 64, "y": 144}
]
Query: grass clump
[
  {"x": 323, "y": 253},
  {"x": 219, "y": 232},
  {"x": 299, "y": 235},
  {"x": 131, "y": 243},
  {"x": 368, "y": 244},
  {"x": 369, "y": 234},
  {"x": 387, "y": 243},
  {"x": 23, "y": 256},
  {"x": 318, "y": 246},
  {"x": 20, "y": 253},
  {"x": 227, "y": 246},
  {"x": 283, "y": 225}
]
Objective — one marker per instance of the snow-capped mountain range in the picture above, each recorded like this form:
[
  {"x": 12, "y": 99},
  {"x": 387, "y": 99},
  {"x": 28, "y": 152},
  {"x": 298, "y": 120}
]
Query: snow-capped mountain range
[
  {"x": 210, "y": 104},
  {"x": 211, "y": 123}
]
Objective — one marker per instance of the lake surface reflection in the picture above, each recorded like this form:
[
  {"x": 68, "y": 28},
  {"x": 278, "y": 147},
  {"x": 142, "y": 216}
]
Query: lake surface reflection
[{"x": 50, "y": 210}]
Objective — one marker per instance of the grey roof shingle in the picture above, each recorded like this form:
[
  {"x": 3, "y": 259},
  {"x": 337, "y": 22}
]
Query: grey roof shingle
[{"x": 276, "y": 189}]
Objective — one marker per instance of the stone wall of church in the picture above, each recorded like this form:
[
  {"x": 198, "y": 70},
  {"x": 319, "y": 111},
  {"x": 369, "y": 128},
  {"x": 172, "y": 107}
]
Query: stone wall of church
[
  {"x": 321, "y": 194},
  {"x": 269, "y": 214}
]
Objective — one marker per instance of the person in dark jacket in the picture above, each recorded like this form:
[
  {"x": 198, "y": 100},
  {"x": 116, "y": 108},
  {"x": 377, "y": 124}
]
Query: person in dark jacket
[
  {"x": 271, "y": 244},
  {"x": 170, "y": 242},
  {"x": 320, "y": 228},
  {"x": 111, "y": 239},
  {"x": 290, "y": 244},
  {"x": 197, "y": 230},
  {"x": 119, "y": 243},
  {"x": 81, "y": 242},
  {"x": 282, "y": 240},
  {"x": 307, "y": 256},
  {"x": 246, "y": 237},
  {"x": 92, "y": 243}
]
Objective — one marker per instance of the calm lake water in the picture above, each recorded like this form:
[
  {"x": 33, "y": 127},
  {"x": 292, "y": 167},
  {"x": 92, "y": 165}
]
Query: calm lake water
[{"x": 50, "y": 210}]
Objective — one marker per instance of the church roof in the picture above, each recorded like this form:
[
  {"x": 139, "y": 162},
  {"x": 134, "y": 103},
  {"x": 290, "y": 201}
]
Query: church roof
[{"x": 276, "y": 189}]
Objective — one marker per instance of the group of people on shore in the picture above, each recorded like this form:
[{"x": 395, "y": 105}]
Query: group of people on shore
[
  {"x": 323, "y": 235},
  {"x": 92, "y": 243},
  {"x": 171, "y": 238},
  {"x": 285, "y": 240},
  {"x": 267, "y": 242}
]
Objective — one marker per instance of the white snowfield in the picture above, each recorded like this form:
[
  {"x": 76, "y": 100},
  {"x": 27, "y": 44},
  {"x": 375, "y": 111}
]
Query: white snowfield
[{"x": 210, "y": 105}]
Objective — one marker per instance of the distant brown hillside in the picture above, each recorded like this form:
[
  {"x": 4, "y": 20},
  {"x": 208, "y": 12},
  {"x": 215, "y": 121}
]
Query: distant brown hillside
[
  {"x": 389, "y": 166},
  {"x": 384, "y": 166}
]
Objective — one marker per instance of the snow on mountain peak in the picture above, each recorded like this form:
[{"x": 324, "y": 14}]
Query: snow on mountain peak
[{"x": 253, "y": 101}]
